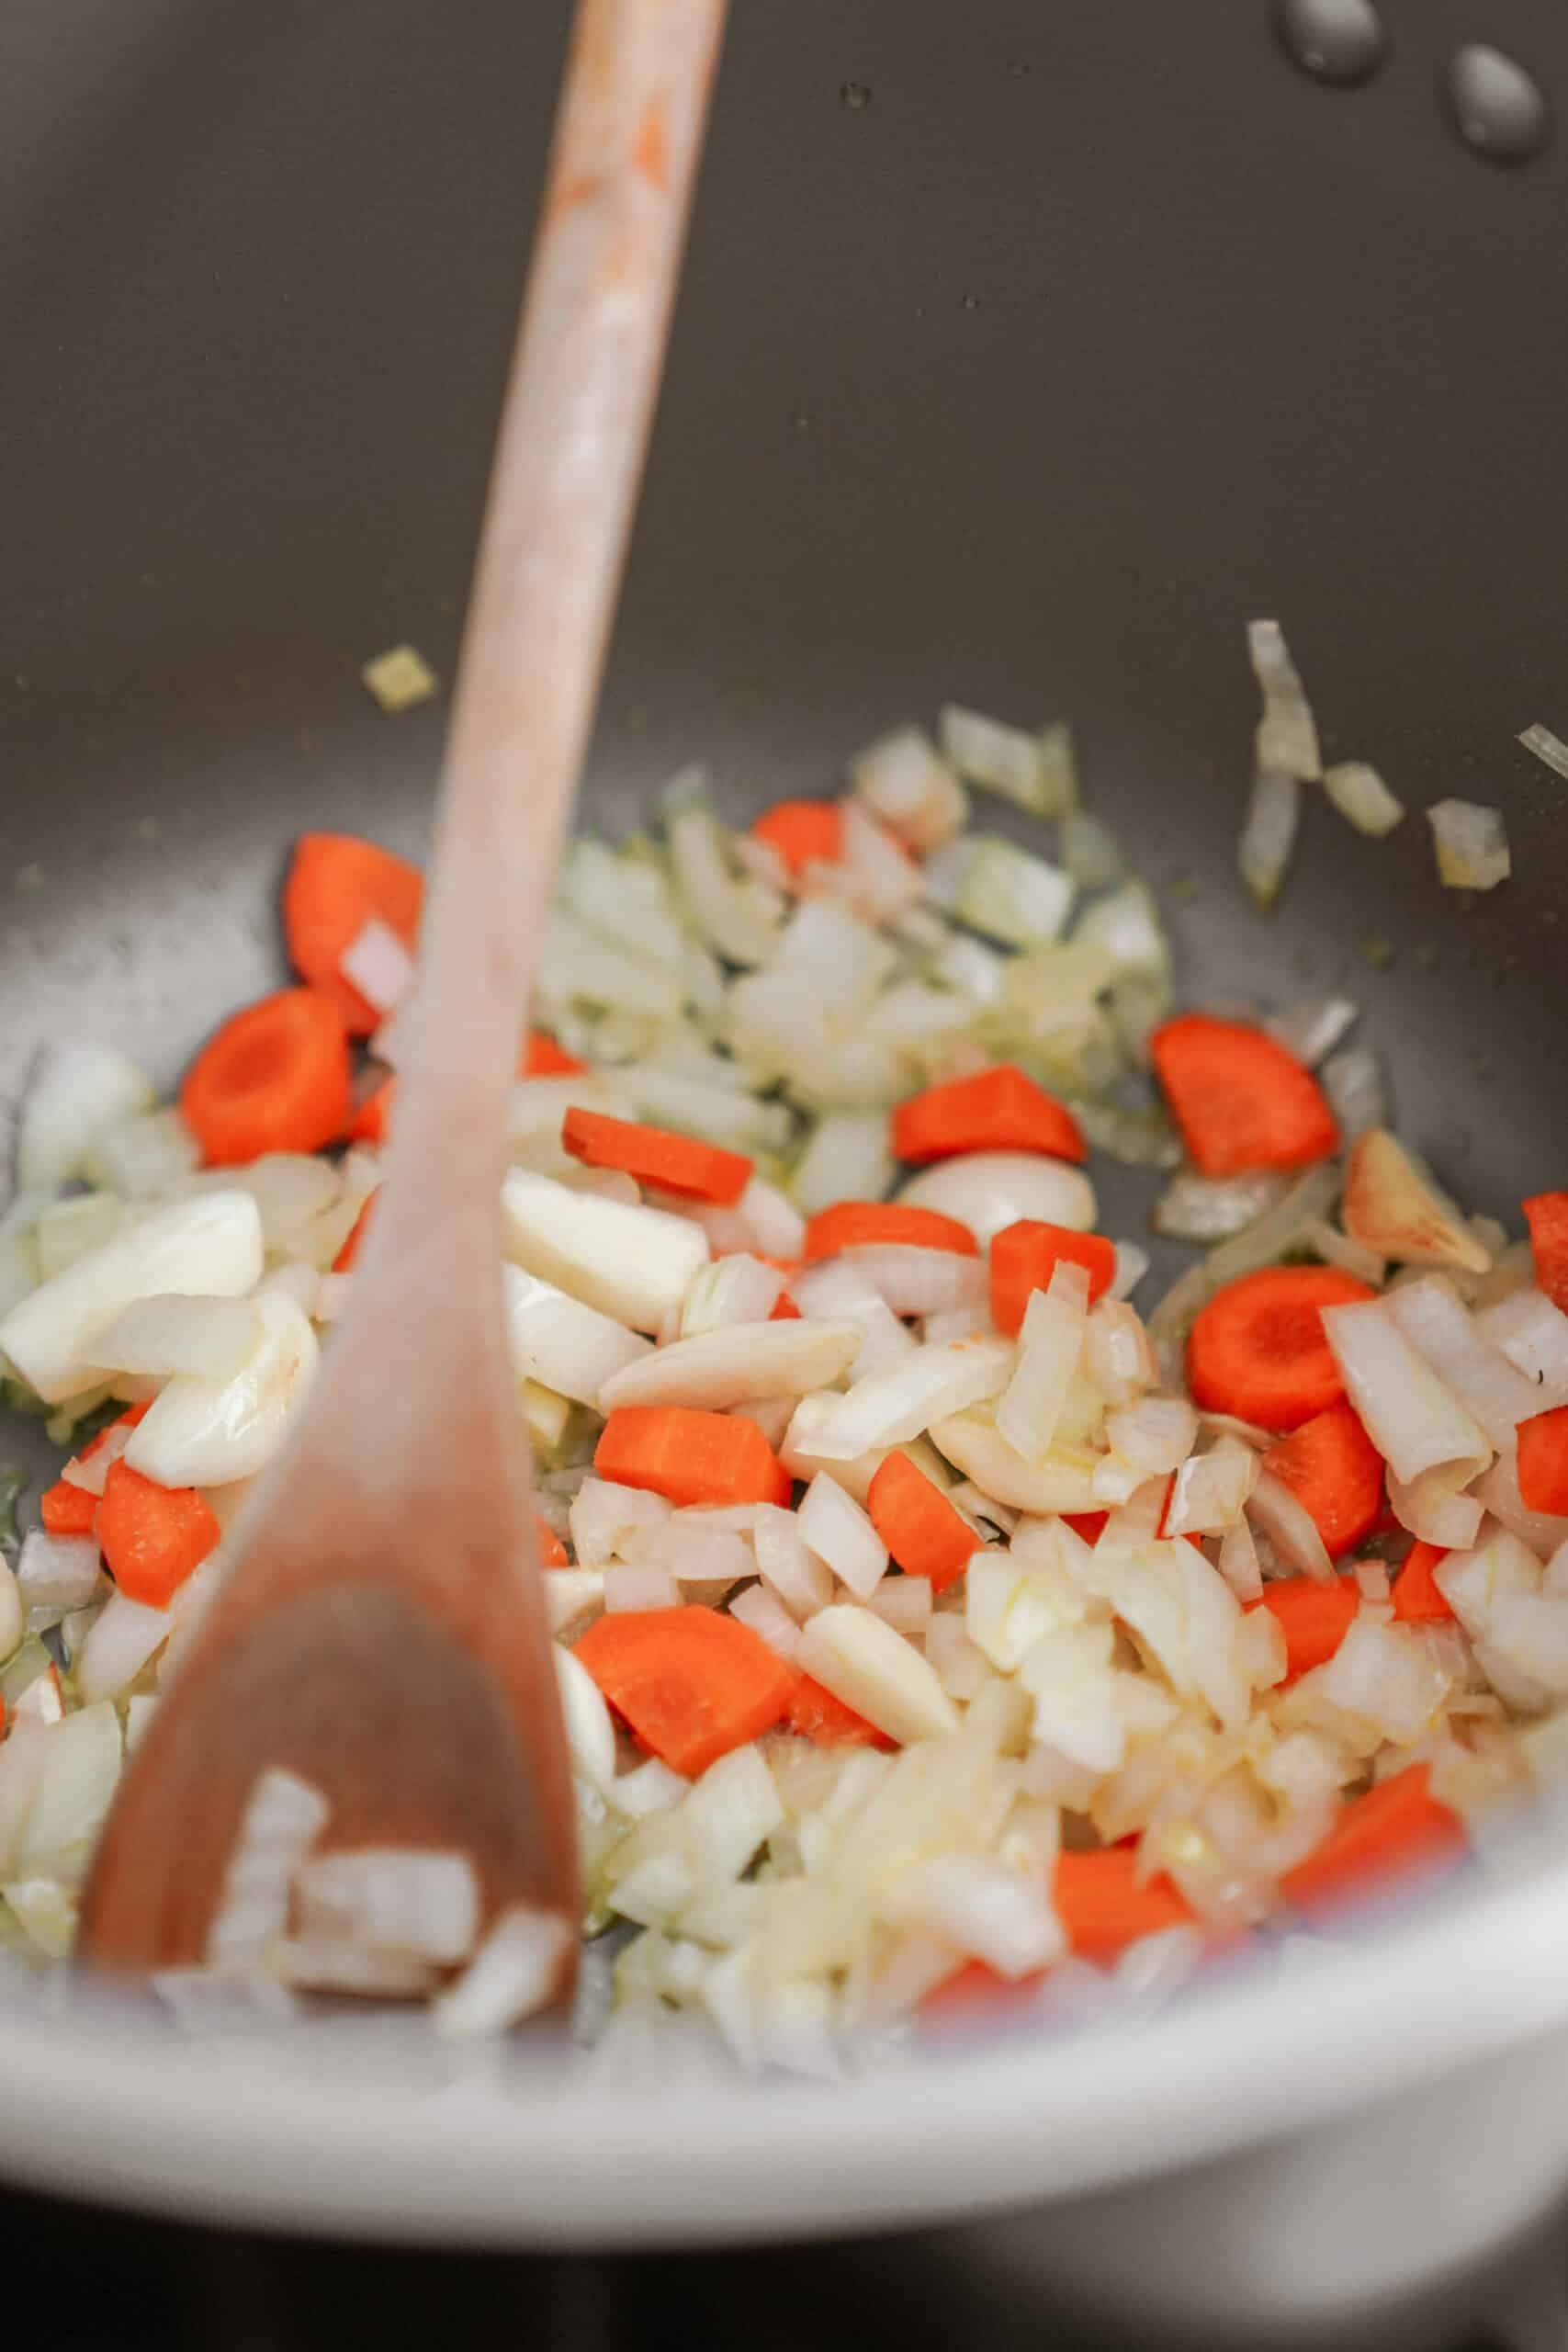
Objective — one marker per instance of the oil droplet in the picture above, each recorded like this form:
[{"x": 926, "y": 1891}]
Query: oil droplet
[
  {"x": 1334, "y": 40},
  {"x": 970, "y": 302},
  {"x": 1498, "y": 108},
  {"x": 855, "y": 95}
]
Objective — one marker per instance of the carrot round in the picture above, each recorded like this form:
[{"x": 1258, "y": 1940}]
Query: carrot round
[
  {"x": 275, "y": 1078},
  {"x": 1543, "y": 1462},
  {"x": 1259, "y": 1348},
  {"x": 690, "y": 1456},
  {"x": 803, "y": 833},
  {"x": 153, "y": 1536},
  {"x": 1396, "y": 1833},
  {"x": 862, "y": 1225},
  {"x": 921, "y": 1528},
  {"x": 1024, "y": 1257},
  {"x": 1546, "y": 1214},
  {"x": 1416, "y": 1599},
  {"x": 700, "y": 1172},
  {"x": 336, "y": 885},
  {"x": 1240, "y": 1098},
  {"x": 1334, "y": 1471},
  {"x": 818, "y": 1716},
  {"x": 1314, "y": 1618},
  {"x": 999, "y": 1110},
  {"x": 691, "y": 1684},
  {"x": 542, "y": 1057},
  {"x": 1103, "y": 1906}
]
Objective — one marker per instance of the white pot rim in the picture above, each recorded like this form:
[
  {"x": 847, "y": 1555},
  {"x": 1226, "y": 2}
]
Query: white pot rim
[{"x": 396, "y": 2136}]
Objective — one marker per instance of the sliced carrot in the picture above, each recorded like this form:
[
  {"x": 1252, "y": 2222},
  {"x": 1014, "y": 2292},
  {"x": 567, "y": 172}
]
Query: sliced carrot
[
  {"x": 1103, "y": 1906},
  {"x": 552, "y": 1551},
  {"x": 863, "y": 1225},
  {"x": 66, "y": 1509},
  {"x": 1334, "y": 1471},
  {"x": 336, "y": 885},
  {"x": 804, "y": 832},
  {"x": 925, "y": 1534},
  {"x": 347, "y": 1256},
  {"x": 1259, "y": 1348},
  {"x": 1001, "y": 1109},
  {"x": 816, "y": 1714},
  {"x": 1416, "y": 1599},
  {"x": 692, "y": 1684},
  {"x": 1547, "y": 1217},
  {"x": 369, "y": 1122},
  {"x": 690, "y": 1456},
  {"x": 1395, "y": 1833},
  {"x": 1024, "y": 1257},
  {"x": 1314, "y": 1618},
  {"x": 542, "y": 1057},
  {"x": 1240, "y": 1098},
  {"x": 274, "y": 1078},
  {"x": 784, "y": 1309},
  {"x": 1089, "y": 1524},
  {"x": 699, "y": 1171},
  {"x": 1543, "y": 1462},
  {"x": 153, "y": 1536}
]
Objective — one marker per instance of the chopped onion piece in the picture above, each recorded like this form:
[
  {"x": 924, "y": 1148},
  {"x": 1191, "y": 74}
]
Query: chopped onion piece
[
  {"x": 1547, "y": 747},
  {"x": 879, "y": 877},
  {"x": 874, "y": 1671},
  {"x": 1276, "y": 1233},
  {"x": 1435, "y": 1509},
  {"x": 739, "y": 919},
  {"x": 1000, "y": 890},
  {"x": 391, "y": 1899},
  {"x": 839, "y": 1530},
  {"x": 570, "y": 1593},
  {"x": 846, "y": 1159},
  {"x": 1238, "y": 1562},
  {"x": 789, "y": 1567},
  {"x": 839, "y": 1291},
  {"x": 1439, "y": 1326},
  {"x": 736, "y": 1289},
  {"x": 1049, "y": 1346},
  {"x": 1280, "y": 1516},
  {"x": 207, "y": 1432},
  {"x": 988, "y": 1190},
  {"x": 77, "y": 1089},
  {"x": 738, "y": 1365},
  {"x": 903, "y": 780},
  {"x": 57, "y": 1570},
  {"x": 1213, "y": 1490},
  {"x": 1534, "y": 1335},
  {"x": 1472, "y": 845},
  {"x": 1395, "y": 1206},
  {"x": 326, "y": 1964},
  {"x": 638, "y": 1587},
  {"x": 904, "y": 1603},
  {"x": 1155, "y": 1434},
  {"x": 153, "y": 1152},
  {"x": 1212, "y": 1208},
  {"x": 283, "y": 1819},
  {"x": 1362, "y": 798},
  {"x": 889, "y": 1406},
  {"x": 1310, "y": 1030},
  {"x": 913, "y": 1281},
  {"x": 1382, "y": 1673},
  {"x": 1287, "y": 732},
  {"x": 1499, "y": 1491},
  {"x": 203, "y": 2001},
  {"x": 1034, "y": 770},
  {"x": 590, "y": 1734},
  {"x": 1411, "y": 1416},
  {"x": 1269, "y": 836},
  {"x": 168, "y": 1333},
  {"x": 376, "y": 963},
  {"x": 563, "y": 1344},
  {"x": 994, "y": 1915},
  {"x": 1061, "y": 1481},
  {"x": 768, "y": 1618},
  {"x": 633, "y": 1265}
]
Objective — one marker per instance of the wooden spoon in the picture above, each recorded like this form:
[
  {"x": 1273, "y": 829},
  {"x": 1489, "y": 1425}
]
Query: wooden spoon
[{"x": 382, "y": 1633}]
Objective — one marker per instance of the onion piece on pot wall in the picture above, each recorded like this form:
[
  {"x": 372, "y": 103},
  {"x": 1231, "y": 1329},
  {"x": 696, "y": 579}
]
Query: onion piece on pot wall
[
  {"x": 988, "y": 1190},
  {"x": 1396, "y": 1207},
  {"x": 1472, "y": 845}
]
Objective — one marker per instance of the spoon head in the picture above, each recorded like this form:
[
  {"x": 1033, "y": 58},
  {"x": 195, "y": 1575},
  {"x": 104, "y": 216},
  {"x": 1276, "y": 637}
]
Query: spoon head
[{"x": 411, "y": 1734}]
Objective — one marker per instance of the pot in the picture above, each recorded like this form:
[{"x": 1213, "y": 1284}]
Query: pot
[{"x": 1023, "y": 355}]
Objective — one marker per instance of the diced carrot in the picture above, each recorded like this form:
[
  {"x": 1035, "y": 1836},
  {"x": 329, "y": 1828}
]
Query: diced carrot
[
  {"x": 552, "y": 1551},
  {"x": 1240, "y": 1097},
  {"x": 1024, "y": 1257},
  {"x": 784, "y": 1309},
  {"x": 1547, "y": 1217},
  {"x": 691, "y": 1683},
  {"x": 1259, "y": 1348},
  {"x": 369, "y": 1122},
  {"x": 1314, "y": 1618},
  {"x": 690, "y": 1456},
  {"x": 1416, "y": 1599},
  {"x": 1543, "y": 1462},
  {"x": 542, "y": 1057},
  {"x": 1334, "y": 1471},
  {"x": 861, "y": 1225},
  {"x": 1001, "y": 1109},
  {"x": 336, "y": 885},
  {"x": 1089, "y": 1524},
  {"x": 153, "y": 1536},
  {"x": 66, "y": 1509},
  {"x": 699, "y": 1171},
  {"x": 348, "y": 1255},
  {"x": 925, "y": 1534},
  {"x": 1103, "y": 1906},
  {"x": 1396, "y": 1833},
  {"x": 816, "y": 1714},
  {"x": 804, "y": 832},
  {"x": 274, "y": 1078}
]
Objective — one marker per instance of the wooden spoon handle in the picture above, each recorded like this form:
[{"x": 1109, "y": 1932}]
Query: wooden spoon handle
[{"x": 569, "y": 462}]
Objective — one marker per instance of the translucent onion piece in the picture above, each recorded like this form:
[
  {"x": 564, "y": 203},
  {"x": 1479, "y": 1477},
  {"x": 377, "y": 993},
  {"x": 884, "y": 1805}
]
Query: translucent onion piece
[
  {"x": 1213, "y": 1490},
  {"x": 1289, "y": 1526},
  {"x": 890, "y": 1406},
  {"x": 77, "y": 1089},
  {"x": 1362, "y": 798},
  {"x": 863, "y": 1662},
  {"x": 1210, "y": 1208},
  {"x": 1312, "y": 1030},
  {"x": 903, "y": 780},
  {"x": 1049, "y": 1345},
  {"x": 1396, "y": 1205},
  {"x": 1411, "y": 1416},
  {"x": 1287, "y": 734},
  {"x": 837, "y": 1530},
  {"x": 1547, "y": 747},
  {"x": 738, "y": 1365},
  {"x": 1435, "y": 1321},
  {"x": 1269, "y": 836},
  {"x": 988, "y": 1190},
  {"x": 391, "y": 1899},
  {"x": 1472, "y": 845}
]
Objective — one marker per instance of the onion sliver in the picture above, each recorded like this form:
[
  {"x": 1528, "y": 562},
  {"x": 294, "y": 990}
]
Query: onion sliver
[
  {"x": 890, "y": 1406},
  {"x": 1413, "y": 1420},
  {"x": 207, "y": 1432},
  {"x": 738, "y": 1365}
]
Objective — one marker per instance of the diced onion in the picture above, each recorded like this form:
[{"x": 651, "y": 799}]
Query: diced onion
[
  {"x": 1269, "y": 836},
  {"x": 1472, "y": 845},
  {"x": 1547, "y": 747},
  {"x": 1212, "y": 1208},
  {"x": 1280, "y": 1516},
  {"x": 391, "y": 1899},
  {"x": 1439, "y": 1326},
  {"x": 1362, "y": 798},
  {"x": 633, "y": 1265},
  {"x": 839, "y": 1530},
  {"x": 563, "y": 1344},
  {"x": 903, "y": 780},
  {"x": 768, "y": 1618},
  {"x": 1534, "y": 1335},
  {"x": 1395, "y": 1206},
  {"x": 376, "y": 963},
  {"x": 988, "y": 1190},
  {"x": 889, "y": 1406},
  {"x": 1411, "y": 1419},
  {"x": 211, "y": 1338},
  {"x": 846, "y": 1159},
  {"x": 789, "y": 1567},
  {"x": 207, "y": 1432},
  {"x": 1049, "y": 1344},
  {"x": 1310, "y": 1030},
  {"x": 874, "y": 1671},
  {"x": 1287, "y": 732},
  {"x": 1033, "y": 770},
  {"x": 77, "y": 1089},
  {"x": 58, "y": 1571},
  {"x": 283, "y": 1819},
  {"x": 737, "y": 1366},
  {"x": 1213, "y": 1490}
]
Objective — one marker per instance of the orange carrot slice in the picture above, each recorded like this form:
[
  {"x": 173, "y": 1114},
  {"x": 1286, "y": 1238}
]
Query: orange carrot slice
[
  {"x": 1394, "y": 1834},
  {"x": 66, "y": 1509},
  {"x": 1314, "y": 1618},
  {"x": 1416, "y": 1599},
  {"x": 700, "y": 1172},
  {"x": 275, "y": 1078},
  {"x": 153, "y": 1536},
  {"x": 690, "y": 1456},
  {"x": 863, "y": 1225},
  {"x": 1259, "y": 1348},
  {"x": 1001, "y": 1109},
  {"x": 925, "y": 1534},
  {"x": 1547, "y": 1217},
  {"x": 804, "y": 832},
  {"x": 1024, "y": 1257},
  {"x": 552, "y": 1551},
  {"x": 336, "y": 884},
  {"x": 1334, "y": 1471},
  {"x": 691, "y": 1683},
  {"x": 1240, "y": 1098},
  {"x": 1543, "y": 1462},
  {"x": 1103, "y": 1906},
  {"x": 818, "y": 1716}
]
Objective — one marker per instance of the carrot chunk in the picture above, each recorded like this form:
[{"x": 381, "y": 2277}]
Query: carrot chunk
[
  {"x": 1240, "y": 1098},
  {"x": 1543, "y": 1462},
  {"x": 804, "y": 832},
  {"x": 542, "y": 1057},
  {"x": 1547, "y": 1217},
  {"x": 1259, "y": 1348},
  {"x": 1416, "y": 1599},
  {"x": 700, "y": 1172},
  {"x": 275, "y": 1078},
  {"x": 925, "y": 1534},
  {"x": 691, "y": 1683},
  {"x": 818, "y": 1716},
  {"x": 1103, "y": 1906},
  {"x": 66, "y": 1509},
  {"x": 1395, "y": 1833},
  {"x": 1314, "y": 1618},
  {"x": 1334, "y": 1471},
  {"x": 690, "y": 1456},
  {"x": 1024, "y": 1257},
  {"x": 860, "y": 1224},
  {"x": 336, "y": 885},
  {"x": 153, "y": 1536},
  {"x": 1001, "y": 1109}
]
